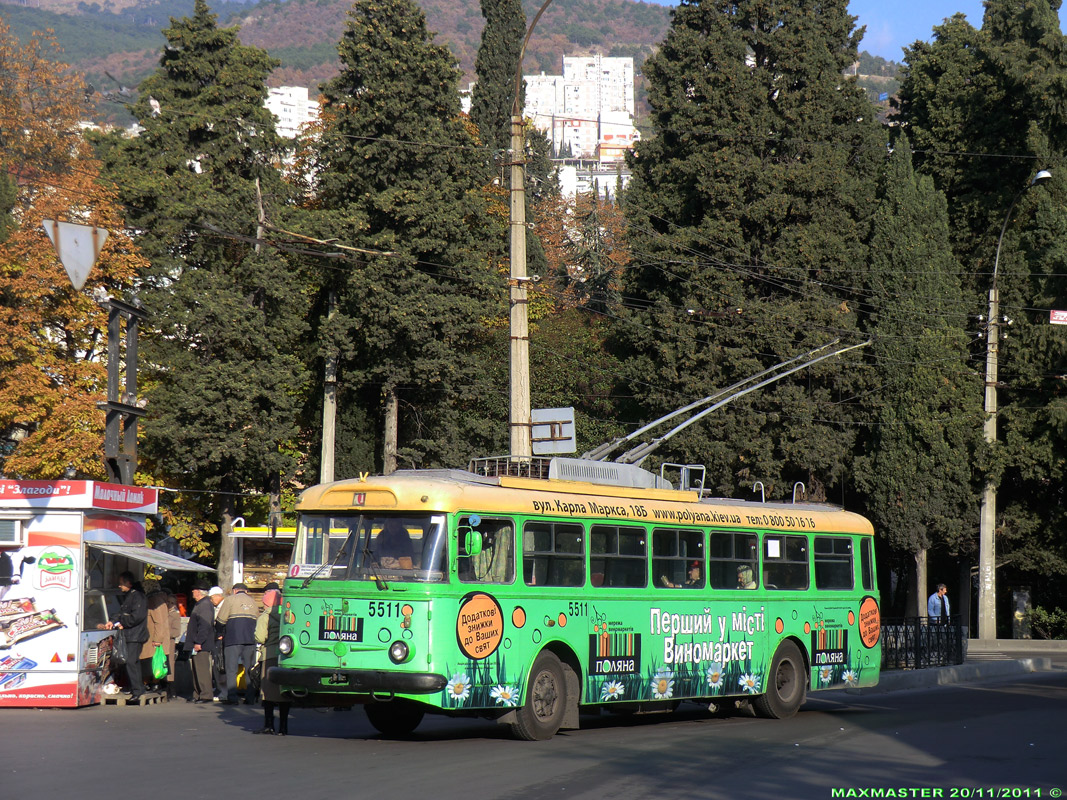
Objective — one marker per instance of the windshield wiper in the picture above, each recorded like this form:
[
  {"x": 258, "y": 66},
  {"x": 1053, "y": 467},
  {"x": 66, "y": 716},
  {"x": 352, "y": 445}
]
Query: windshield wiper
[
  {"x": 331, "y": 564},
  {"x": 379, "y": 581}
]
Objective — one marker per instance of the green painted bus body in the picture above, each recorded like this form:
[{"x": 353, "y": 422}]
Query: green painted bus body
[{"x": 629, "y": 632}]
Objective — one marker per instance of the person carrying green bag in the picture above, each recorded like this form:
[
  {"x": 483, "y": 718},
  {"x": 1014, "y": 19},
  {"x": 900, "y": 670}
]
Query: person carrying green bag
[{"x": 158, "y": 637}]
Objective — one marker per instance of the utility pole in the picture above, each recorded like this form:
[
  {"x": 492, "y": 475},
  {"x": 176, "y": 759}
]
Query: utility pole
[
  {"x": 987, "y": 522},
  {"x": 329, "y": 403},
  {"x": 121, "y": 462},
  {"x": 519, "y": 423}
]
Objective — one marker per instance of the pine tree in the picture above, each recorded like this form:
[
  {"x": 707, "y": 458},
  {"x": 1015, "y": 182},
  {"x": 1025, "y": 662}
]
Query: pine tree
[
  {"x": 916, "y": 474},
  {"x": 402, "y": 178},
  {"x": 749, "y": 211},
  {"x": 228, "y": 312}
]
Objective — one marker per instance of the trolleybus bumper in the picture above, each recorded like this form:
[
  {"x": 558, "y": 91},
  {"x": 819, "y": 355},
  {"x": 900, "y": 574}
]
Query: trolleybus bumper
[{"x": 359, "y": 680}]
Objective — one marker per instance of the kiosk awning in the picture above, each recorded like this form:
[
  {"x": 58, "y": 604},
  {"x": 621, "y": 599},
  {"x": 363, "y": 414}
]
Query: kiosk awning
[{"x": 147, "y": 555}]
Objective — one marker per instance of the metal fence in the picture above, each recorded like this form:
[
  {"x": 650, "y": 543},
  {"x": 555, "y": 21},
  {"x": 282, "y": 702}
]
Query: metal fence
[{"x": 920, "y": 642}]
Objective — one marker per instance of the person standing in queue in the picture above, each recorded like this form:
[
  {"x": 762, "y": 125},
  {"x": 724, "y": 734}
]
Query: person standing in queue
[
  {"x": 218, "y": 661},
  {"x": 158, "y": 634},
  {"x": 267, "y": 627},
  {"x": 200, "y": 642},
  {"x": 238, "y": 614},
  {"x": 132, "y": 625}
]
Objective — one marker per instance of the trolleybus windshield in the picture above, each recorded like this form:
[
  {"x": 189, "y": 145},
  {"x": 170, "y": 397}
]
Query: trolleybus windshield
[{"x": 408, "y": 548}]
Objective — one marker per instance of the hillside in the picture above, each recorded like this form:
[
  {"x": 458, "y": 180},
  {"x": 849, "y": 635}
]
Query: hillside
[
  {"x": 122, "y": 37},
  {"x": 116, "y": 43}
]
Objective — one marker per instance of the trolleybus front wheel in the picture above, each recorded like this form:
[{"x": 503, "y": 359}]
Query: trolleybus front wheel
[
  {"x": 395, "y": 717},
  {"x": 546, "y": 700},
  {"x": 786, "y": 684}
]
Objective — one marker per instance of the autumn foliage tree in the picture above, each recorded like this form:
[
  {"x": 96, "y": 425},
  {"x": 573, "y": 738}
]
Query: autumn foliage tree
[{"x": 52, "y": 337}]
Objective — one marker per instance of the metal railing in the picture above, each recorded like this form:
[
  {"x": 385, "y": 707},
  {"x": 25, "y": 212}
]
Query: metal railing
[{"x": 921, "y": 642}]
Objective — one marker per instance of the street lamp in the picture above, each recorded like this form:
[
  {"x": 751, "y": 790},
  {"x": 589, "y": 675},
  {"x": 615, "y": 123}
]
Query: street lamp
[
  {"x": 987, "y": 582},
  {"x": 519, "y": 422}
]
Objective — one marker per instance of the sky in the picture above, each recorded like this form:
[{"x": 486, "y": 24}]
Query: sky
[{"x": 892, "y": 25}]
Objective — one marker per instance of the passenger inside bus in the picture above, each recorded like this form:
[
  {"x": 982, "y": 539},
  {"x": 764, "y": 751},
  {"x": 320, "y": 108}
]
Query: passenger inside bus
[
  {"x": 392, "y": 547},
  {"x": 693, "y": 579},
  {"x": 744, "y": 577}
]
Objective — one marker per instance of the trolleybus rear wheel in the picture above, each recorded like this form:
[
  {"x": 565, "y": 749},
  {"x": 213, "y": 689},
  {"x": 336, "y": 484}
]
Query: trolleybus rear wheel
[
  {"x": 395, "y": 717},
  {"x": 546, "y": 700},
  {"x": 786, "y": 684}
]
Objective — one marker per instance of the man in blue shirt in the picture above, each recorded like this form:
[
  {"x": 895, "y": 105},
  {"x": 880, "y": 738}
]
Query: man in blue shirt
[{"x": 937, "y": 607}]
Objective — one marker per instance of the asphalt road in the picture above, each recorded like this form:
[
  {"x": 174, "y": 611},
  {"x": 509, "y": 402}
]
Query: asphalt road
[{"x": 951, "y": 741}]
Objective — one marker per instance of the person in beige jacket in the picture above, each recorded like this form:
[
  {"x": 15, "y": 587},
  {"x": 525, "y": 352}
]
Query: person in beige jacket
[{"x": 158, "y": 634}]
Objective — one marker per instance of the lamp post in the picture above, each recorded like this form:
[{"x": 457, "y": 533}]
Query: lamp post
[
  {"x": 987, "y": 580},
  {"x": 519, "y": 423}
]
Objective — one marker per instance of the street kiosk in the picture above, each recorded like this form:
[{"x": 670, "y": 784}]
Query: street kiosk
[{"x": 63, "y": 545}]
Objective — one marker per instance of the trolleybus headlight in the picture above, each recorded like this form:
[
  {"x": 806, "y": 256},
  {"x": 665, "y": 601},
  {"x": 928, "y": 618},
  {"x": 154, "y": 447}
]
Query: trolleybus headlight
[
  {"x": 285, "y": 645},
  {"x": 399, "y": 652}
]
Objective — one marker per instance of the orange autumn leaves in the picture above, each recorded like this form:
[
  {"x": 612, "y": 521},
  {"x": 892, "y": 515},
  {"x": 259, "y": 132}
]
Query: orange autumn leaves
[{"x": 53, "y": 339}]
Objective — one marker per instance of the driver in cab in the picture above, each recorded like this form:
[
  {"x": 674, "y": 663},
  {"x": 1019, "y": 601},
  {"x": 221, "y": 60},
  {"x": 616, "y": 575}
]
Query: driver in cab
[{"x": 392, "y": 547}]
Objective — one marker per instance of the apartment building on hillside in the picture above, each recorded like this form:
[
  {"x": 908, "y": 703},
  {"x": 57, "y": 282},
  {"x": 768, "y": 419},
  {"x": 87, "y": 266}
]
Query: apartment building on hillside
[
  {"x": 292, "y": 107},
  {"x": 588, "y": 111}
]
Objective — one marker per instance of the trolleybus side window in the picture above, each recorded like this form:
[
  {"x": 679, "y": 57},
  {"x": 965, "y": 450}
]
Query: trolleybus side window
[
  {"x": 678, "y": 558},
  {"x": 733, "y": 560},
  {"x": 833, "y": 562},
  {"x": 618, "y": 556},
  {"x": 785, "y": 562},
  {"x": 867, "y": 564},
  {"x": 553, "y": 554},
  {"x": 495, "y": 560}
]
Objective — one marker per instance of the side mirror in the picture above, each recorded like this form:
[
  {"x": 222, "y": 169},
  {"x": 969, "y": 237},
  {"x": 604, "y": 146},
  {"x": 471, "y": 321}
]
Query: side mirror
[{"x": 472, "y": 542}]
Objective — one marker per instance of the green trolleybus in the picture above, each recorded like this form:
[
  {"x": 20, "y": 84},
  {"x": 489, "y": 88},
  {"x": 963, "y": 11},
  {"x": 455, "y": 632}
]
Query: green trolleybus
[{"x": 577, "y": 585}]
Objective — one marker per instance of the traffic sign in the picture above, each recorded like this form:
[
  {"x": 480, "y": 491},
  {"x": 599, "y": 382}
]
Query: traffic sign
[{"x": 78, "y": 247}]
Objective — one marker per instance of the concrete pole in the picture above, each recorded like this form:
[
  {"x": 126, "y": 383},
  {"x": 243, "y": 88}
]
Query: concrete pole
[
  {"x": 987, "y": 578},
  {"x": 519, "y": 424},
  {"x": 987, "y": 522},
  {"x": 329, "y": 405}
]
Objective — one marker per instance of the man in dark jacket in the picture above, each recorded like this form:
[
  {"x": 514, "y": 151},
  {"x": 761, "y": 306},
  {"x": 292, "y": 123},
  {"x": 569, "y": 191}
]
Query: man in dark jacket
[
  {"x": 200, "y": 642},
  {"x": 132, "y": 625}
]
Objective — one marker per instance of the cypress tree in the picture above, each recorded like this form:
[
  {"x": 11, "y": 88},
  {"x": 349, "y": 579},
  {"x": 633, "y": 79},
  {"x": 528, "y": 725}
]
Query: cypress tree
[
  {"x": 226, "y": 312},
  {"x": 986, "y": 108},
  {"x": 916, "y": 472},
  {"x": 401, "y": 177},
  {"x": 495, "y": 66},
  {"x": 749, "y": 215}
]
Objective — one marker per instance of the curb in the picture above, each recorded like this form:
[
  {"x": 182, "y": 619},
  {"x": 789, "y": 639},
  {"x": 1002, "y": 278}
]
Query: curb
[{"x": 899, "y": 680}]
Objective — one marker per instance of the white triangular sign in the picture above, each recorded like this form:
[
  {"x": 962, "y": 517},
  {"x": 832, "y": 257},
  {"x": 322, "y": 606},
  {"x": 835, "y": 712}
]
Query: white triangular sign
[{"x": 78, "y": 247}]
